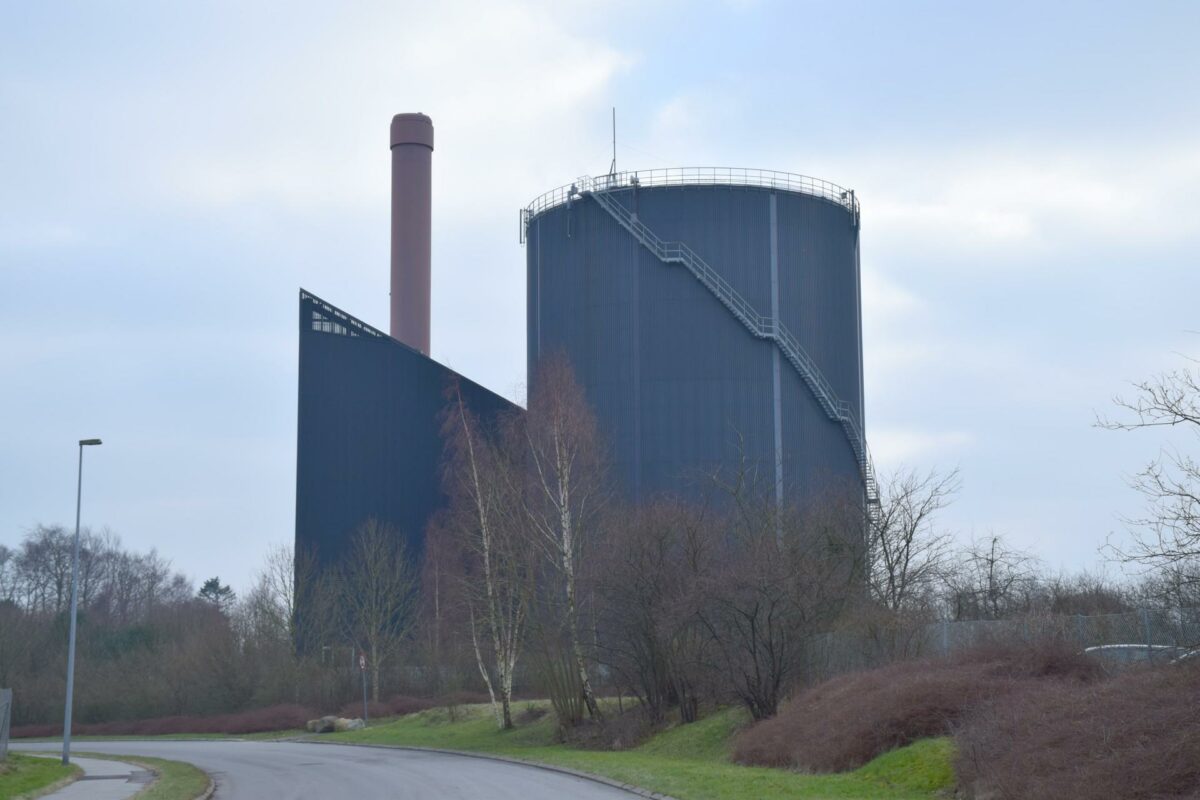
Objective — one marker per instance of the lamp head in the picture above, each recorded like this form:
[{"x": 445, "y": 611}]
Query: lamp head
[{"x": 86, "y": 442}]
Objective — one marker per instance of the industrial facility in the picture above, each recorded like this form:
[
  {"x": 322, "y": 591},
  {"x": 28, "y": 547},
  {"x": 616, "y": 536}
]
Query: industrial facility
[{"x": 712, "y": 317}]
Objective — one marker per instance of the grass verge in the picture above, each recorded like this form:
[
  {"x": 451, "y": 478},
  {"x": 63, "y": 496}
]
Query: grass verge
[
  {"x": 264, "y": 736},
  {"x": 28, "y": 776},
  {"x": 689, "y": 762},
  {"x": 176, "y": 780}
]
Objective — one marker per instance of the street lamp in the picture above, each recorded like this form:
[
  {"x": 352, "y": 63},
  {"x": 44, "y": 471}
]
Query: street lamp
[{"x": 66, "y": 757}]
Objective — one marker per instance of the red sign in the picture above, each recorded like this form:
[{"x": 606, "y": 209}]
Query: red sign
[{"x": 362, "y": 662}]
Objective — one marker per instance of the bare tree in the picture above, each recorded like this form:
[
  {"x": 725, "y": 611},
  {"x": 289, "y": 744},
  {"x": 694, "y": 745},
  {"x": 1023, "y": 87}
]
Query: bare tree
[
  {"x": 1169, "y": 534},
  {"x": 991, "y": 581},
  {"x": 277, "y": 582},
  {"x": 8, "y": 577},
  {"x": 498, "y": 570},
  {"x": 782, "y": 574},
  {"x": 645, "y": 581},
  {"x": 907, "y": 556},
  {"x": 377, "y": 588},
  {"x": 566, "y": 491}
]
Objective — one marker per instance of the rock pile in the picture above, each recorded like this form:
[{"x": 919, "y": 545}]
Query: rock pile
[{"x": 334, "y": 724}]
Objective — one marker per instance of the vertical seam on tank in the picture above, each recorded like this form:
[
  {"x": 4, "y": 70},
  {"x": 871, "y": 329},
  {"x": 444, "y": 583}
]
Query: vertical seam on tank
[
  {"x": 637, "y": 367},
  {"x": 776, "y": 400},
  {"x": 862, "y": 400}
]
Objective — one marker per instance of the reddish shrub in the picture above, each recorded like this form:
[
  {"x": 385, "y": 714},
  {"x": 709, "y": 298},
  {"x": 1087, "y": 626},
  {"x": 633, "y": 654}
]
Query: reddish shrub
[
  {"x": 40, "y": 731},
  {"x": 1136, "y": 737},
  {"x": 402, "y": 704},
  {"x": 395, "y": 706},
  {"x": 845, "y": 722},
  {"x": 463, "y": 698},
  {"x": 376, "y": 709},
  {"x": 259, "y": 720},
  {"x": 615, "y": 732}
]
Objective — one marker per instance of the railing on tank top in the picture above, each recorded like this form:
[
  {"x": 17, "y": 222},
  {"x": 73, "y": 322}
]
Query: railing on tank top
[{"x": 701, "y": 176}]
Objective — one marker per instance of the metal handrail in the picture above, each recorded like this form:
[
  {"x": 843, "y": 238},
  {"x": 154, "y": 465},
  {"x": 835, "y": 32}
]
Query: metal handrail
[
  {"x": 701, "y": 176},
  {"x": 760, "y": 326}
]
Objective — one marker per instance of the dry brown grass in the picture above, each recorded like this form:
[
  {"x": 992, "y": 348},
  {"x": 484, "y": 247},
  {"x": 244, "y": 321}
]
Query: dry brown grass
[
  {"x": 1135, "y": 737},
  {"x": 843, "y": 723},
  {"x": 259, "y": 720},
  {"x": 394, "y": 706}
]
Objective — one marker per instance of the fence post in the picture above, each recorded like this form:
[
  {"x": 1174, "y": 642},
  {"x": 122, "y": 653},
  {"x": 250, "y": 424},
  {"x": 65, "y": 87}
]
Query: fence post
[
  {"x": 1149, "y": 639},
  {"x": 945, "y": 637},
  {"x": 5, "y": 719},
  {"x": 1081, "y": 630}
]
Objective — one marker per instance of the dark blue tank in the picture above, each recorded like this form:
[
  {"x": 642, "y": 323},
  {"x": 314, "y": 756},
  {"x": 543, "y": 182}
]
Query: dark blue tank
[{"x": 713, "y": 318}]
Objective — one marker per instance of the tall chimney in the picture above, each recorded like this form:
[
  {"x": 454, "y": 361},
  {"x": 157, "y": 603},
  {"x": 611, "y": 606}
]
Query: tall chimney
[{"x": 412, "y": 154}]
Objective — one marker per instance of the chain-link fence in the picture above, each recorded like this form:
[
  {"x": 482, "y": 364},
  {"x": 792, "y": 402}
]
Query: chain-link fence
[
  {"x": 1155, "y": 635},
  {"x": 5, "y": 717}
]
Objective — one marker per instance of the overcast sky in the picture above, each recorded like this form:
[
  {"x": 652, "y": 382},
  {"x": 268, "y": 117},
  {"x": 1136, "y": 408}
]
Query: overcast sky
[{"x": 171, "y": 174}]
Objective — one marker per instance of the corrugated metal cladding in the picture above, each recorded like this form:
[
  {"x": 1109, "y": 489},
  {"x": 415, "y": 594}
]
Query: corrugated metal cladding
[
  {"x": 368, "y": 434},
  {"x": 679, "y": 385}
]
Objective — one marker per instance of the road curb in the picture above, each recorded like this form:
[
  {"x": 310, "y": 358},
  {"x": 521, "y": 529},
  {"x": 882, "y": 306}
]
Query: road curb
[
  {"x": 207, "y": 793},
  {"x": 587, "y": 776}
]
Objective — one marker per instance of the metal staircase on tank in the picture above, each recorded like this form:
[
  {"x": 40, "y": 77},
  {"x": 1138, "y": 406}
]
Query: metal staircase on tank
[{"x": 760, "y": 326}]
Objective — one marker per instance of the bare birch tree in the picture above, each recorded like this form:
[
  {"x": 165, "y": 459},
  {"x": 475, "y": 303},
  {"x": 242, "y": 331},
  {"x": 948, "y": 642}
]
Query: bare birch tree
[
  {"x": 497, "y": 578},
  {"x": 377, "y": 588},
  {"x": 565, "y": 492}
]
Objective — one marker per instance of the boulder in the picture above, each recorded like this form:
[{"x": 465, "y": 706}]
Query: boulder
[
  {"x": 322, "y": 725},
  {"x": 343, "y": 724}
]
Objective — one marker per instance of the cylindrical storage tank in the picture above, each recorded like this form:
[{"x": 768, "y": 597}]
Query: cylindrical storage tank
[{"x": 713, "y": 319}]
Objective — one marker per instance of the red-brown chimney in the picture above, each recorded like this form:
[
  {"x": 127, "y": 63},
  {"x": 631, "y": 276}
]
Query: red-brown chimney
[{"x": 412, "y": 156}]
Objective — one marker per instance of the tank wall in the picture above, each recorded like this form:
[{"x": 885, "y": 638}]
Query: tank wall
[
  {"x": 818, "y": 283},
  {"x": 680, "y": 387}
]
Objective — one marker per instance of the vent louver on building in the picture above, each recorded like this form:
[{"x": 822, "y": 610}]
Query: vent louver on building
[{"x": 327, "y": 319}]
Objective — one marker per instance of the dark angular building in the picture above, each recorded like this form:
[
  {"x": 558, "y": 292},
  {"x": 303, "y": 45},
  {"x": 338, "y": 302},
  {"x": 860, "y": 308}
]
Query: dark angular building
[{"x": 368, "y": 431}]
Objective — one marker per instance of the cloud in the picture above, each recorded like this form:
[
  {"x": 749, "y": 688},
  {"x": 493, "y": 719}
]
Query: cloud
[
  {"x": 1036, "y": 201},
  {"x": 511, "y": 88}
]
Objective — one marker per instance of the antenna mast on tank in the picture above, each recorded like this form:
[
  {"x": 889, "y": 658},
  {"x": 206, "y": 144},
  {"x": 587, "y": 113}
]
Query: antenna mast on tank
[{"x": 612, "y": 168}]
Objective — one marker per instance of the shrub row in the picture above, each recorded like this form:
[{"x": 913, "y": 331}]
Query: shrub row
[
  {"x": 845, "y": 722},
  {"x": 1135, "y": 737},
  {"x": 259, "y": 720}
]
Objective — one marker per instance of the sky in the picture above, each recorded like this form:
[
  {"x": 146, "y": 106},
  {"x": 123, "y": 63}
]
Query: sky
[{"x": 171, "y": 174}]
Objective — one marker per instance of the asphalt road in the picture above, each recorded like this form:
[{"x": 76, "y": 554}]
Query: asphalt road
[{"x": 295, "y": 770}]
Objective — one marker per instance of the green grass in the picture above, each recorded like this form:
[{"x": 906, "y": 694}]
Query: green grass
[
  {"x": 690, "y": 762},
  {"x": 30, "y": 776},
  {"x": 176, "y": 780}
]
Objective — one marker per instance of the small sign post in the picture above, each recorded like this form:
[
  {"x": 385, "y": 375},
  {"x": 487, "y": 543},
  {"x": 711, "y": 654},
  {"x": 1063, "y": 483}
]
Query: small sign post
[{"x": 362, "y": 667}]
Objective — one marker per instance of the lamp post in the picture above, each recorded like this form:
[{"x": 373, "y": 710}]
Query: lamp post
[{"x": 66, "y": 755}]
